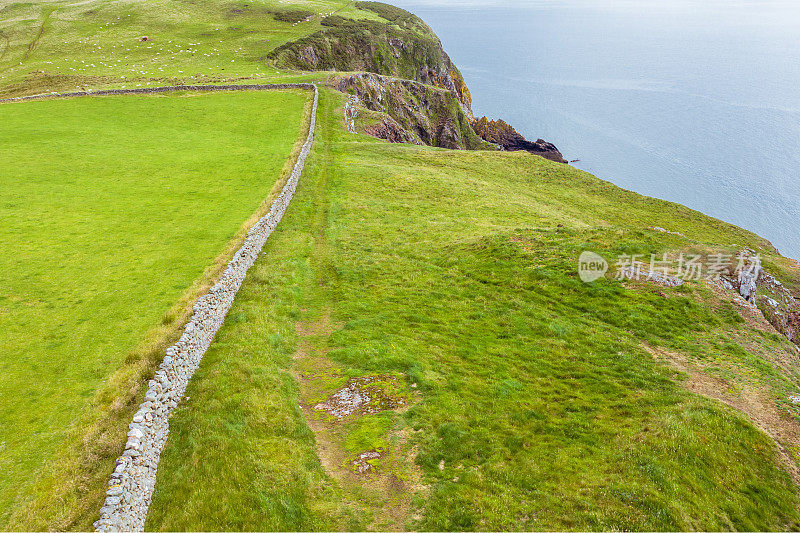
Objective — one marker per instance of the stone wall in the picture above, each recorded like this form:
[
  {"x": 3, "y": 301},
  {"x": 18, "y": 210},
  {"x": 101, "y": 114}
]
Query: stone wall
[
  {"x": 167, "y": 89},
  {"x": 133, "y": 480}
]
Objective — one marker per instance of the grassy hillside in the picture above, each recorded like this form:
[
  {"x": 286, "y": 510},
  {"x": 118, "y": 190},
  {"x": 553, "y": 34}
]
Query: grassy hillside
[
  {"x": 506, "y": 393},
  {"x": 532, "y": 400},
  {"x": 62, "y": 45},
  {"x": 112, "y": 211}
]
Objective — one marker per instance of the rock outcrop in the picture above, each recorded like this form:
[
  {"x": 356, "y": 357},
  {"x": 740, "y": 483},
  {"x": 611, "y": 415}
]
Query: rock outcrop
[
  {"x": 409, "y": 78},
  {"x": 409, "y": 111},
  {"x": 778, "y": 305},
  {"x": 636, "y": 272},
  {"x": 389, "y": 130},
  {"x": 500, "y": 133}
]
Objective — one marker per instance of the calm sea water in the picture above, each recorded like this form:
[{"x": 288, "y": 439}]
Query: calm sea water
[{"x": 694, "y": 102}]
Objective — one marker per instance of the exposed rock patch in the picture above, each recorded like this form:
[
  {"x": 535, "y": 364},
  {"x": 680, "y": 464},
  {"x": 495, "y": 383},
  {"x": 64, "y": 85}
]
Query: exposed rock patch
[
  {"x": 759, "y": 288},
  {"x": 388, "y": 474},
  {"x": 638, "y": 273},
  {"x": 389, "y": 130},
  {"x": 351, "y": 112},
  {"x": 361, "y": 396},
  {"x": 362, "y": 462},
  {"x": 662, "y": 230}
]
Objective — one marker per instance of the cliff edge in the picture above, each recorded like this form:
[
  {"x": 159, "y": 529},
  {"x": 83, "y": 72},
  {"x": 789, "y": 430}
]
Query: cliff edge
[{"x": 407, "y": 88}]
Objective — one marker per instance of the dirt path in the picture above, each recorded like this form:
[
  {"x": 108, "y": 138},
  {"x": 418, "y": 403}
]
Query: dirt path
[
  {"x": 47, "y": 12},
  {"x": 756, "y": 405},
  {"x": 378, "y": 480},
  {"x": 7, "y": 45}
]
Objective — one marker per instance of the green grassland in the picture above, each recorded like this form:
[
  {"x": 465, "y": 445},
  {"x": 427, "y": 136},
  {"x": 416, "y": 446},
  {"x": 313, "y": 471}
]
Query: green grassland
[
  {"x": 62, "y": 45},
  {"x": 112, "y": 210},
  {"x": 530, "y": 399},
  {"x": 535, "y": 404}
]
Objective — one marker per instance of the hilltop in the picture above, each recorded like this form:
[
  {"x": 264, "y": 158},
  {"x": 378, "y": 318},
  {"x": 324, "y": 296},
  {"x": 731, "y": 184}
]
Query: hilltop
[{"x": 419, "y": 266}]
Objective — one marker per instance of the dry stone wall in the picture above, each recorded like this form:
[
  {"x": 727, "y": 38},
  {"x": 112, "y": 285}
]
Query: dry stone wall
[
  {"x": 133, "y": 480},
  {"x": 167, "y": 89}
]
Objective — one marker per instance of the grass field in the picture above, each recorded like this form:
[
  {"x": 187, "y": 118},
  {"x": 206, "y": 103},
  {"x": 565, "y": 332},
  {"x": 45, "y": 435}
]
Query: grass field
[
  {"x": 518, "y": 397},
  {"x": 113, "y": 209},
  {"x": 534, "y": 401},
  {"x": 62, "y": 45}
]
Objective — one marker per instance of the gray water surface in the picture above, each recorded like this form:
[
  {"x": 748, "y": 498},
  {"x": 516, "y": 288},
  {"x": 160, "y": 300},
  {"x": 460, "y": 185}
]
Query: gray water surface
[{"x": 694, "y": 102}]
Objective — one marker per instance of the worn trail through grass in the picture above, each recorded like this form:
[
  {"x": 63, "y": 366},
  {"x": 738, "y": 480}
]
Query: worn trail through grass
[{"x": 46, "y": 12}]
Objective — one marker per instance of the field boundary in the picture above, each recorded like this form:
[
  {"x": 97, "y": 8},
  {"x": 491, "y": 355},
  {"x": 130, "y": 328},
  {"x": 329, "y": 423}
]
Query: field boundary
[
  {"x": 167, "y": 89},
  {"x": 132, "y": 482}
]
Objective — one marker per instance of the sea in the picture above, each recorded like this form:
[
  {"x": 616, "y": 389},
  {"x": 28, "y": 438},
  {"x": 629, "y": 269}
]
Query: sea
[{"x": 697, "y": 102}]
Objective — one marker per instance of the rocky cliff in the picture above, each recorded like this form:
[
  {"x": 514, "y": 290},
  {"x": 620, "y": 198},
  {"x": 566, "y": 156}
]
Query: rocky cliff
[
  {"x": 779, "y": 305},
  {"x": 401, "y": 45},
  {"x": 400, "y": 110},
  {"x": 407, "y": 89}
]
